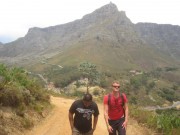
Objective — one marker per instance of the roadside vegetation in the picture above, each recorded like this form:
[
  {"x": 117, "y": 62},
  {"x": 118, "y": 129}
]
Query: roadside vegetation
[
  {"x": 21, "y": 98},
  {"x": 166, "y": 122},
  {"x": 157, "y": 87},
  {"x": 22, "y": 92}
]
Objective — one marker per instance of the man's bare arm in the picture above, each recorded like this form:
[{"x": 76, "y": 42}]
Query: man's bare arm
[
  {"x": 126, "y": 115},
  {"x": 106, "y": 117},
  {"x": 71, "y": 120},
  {"x": 95, "y": 122}
]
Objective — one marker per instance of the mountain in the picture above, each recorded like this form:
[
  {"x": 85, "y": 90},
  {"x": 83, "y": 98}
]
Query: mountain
[
  {"x": 163, "y": 37},
  {"x": 106, "y": 37}
]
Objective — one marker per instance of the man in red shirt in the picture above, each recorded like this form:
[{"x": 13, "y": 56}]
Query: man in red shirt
[{"x": 116, "y": 111}]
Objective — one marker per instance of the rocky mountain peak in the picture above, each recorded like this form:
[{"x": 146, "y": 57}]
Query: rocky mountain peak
[
  {"x": 107, "y": 9},
  {"x": 103, "y": 12},
  {"x": 34, "y": 29},
  {"x": 108, "y": 12}
]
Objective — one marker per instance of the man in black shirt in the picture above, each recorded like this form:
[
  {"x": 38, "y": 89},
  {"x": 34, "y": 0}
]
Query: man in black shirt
[{"x": 81, "y": 123}]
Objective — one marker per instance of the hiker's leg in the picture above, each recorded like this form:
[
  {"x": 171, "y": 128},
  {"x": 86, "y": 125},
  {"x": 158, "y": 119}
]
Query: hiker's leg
[
  {"x": 113, "y": 124},
  {"x": 88, "y": 133},
  {"x": 75, "y": 132},
  {"x": 121, "y": 130},
  {"x": 114, "y": 132}
]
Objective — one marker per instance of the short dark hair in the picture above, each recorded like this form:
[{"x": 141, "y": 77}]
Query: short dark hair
[{"x": 87, "y": 97}]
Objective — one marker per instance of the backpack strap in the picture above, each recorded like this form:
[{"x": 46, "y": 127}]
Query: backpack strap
[
  {"x": 109, "y": 99},
  {"x": 122, "y": 97}
]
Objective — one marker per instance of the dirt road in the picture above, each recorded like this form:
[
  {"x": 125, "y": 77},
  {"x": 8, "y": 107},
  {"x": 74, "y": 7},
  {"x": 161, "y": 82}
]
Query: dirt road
[{"x": 57, "y": 123}]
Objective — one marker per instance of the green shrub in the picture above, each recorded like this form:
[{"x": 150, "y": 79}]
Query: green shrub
[
  {"x": 78, "y": 84},
  {"x": 20, "y": 111},
  {"x": 168, "y": 94},
  {"x": 11, "y": 96},
  {"x": 166, "y": 123},
  {"x": 27, "y": 123},
  {"x": 78, "y": 94},
  {"x": 96, "y": 92},
  {"x": 38, "y": 107},
  {"x": 17, "y": 88},
  {"x": 133, "y": 100},
  {"x": 64, "y": 76}
]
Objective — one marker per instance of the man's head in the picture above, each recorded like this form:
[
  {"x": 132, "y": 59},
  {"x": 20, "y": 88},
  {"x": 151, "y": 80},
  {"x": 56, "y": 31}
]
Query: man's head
[
  {"x": 115, "y": 86},
  {"x": 87, "y": 99}
]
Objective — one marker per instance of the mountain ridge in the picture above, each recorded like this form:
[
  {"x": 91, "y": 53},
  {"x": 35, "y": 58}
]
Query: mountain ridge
[{"x": 145, "y": 44}]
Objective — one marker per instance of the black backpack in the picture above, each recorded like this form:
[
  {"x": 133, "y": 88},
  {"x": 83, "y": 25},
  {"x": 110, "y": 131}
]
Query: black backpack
[{"x": 121, "y": 95}]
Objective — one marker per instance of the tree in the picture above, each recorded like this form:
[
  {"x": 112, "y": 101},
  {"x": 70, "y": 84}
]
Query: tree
[{"x": 90, "y": 72}]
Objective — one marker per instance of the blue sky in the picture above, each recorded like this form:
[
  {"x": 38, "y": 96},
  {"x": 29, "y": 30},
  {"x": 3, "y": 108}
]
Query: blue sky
[{"x": 17, "y": 16}]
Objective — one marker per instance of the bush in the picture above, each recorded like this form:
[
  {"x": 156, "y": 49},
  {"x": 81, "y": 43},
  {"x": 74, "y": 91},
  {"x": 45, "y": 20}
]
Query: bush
[
  {"x": 17, "y": 88},
  {"x": 168, "y": 94},
  {"x": 133, "y": 100},
  {"x": 96, "y": 92},
  {"x": 78, "y": 84},
  {"x": 166, "y": 123},
  {"x": 78, "y": 94},
  {"x": 64, "y": 76},
  {"x": 11, "y": 97},
  {"x": 27, "y": 123}
]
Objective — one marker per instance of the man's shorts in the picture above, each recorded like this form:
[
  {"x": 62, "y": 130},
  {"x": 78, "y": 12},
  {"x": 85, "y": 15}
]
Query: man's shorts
[{"x": 76, "y": 132}]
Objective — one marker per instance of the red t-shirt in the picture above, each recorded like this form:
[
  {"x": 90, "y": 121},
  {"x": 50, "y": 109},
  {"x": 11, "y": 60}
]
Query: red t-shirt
[{"x": 115, "y": 109}]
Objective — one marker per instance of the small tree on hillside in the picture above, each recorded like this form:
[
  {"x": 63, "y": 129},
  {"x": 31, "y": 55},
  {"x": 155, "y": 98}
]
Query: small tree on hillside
[{"x": 89, "y": 71}]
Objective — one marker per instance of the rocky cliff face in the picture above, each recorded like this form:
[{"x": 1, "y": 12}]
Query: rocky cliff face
[
  {"x": 42, "y": 40},
  {"x": 164, "y": 37},
  {"x": 105, "y": 25},
  {"x": 1, "y": 45}
]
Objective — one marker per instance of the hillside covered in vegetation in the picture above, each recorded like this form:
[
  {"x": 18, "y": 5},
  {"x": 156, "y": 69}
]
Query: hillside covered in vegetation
[{"x": 23, "y": 101}]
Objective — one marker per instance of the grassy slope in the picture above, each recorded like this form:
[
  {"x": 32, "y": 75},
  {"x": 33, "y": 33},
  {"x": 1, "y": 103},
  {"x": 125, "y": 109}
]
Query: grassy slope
[{"x": 109, "y": 57}]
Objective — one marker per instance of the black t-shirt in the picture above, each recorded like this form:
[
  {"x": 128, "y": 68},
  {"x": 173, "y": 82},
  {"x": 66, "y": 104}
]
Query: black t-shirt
[{"x": 83, "y": 115}]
